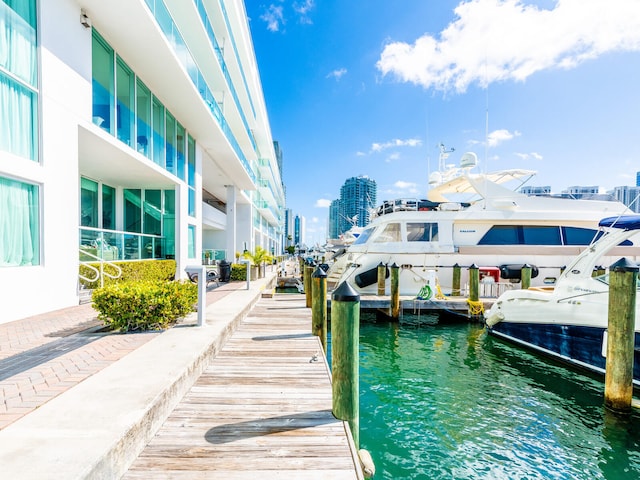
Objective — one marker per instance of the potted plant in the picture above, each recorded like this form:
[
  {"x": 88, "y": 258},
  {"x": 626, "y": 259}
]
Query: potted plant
[
  {"x": 207, "y": 257},
  {"x": 258, "y": 258}
]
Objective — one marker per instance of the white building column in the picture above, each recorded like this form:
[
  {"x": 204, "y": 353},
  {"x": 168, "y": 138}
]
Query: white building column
[
  {"x": 231, "y": 222},
  {"x": 182, "y": 230}
]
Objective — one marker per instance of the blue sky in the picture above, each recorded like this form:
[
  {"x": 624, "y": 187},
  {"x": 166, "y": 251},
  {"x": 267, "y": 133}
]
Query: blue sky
[{"x": 371, "y": 87}]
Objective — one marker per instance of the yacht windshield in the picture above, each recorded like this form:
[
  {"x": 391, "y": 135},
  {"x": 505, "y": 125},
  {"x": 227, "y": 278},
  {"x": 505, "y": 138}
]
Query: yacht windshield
[{"x": 364, "y": 236}]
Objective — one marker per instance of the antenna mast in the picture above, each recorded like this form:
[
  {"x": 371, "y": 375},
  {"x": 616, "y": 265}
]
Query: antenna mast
[{"x": 444, "y": 154}]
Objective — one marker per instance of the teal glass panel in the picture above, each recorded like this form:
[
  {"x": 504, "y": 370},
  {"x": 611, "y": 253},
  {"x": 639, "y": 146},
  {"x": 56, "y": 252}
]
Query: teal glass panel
[
  {"x": 170, "y": 146},
  {"x": 18, "y": 39},
  {"x": 153, "y": 212},
  {"x": 191, "y": 249},
  {"x": 143, "y": 110},
  {"x": 102, "y": 83},
  {"x": 19, "y": 223},
  {"x": 158, "y": 132},
  {"x": 18, "y": 119},
  {"x": 88, "y": 203},
  {"x": 108, "y": 207},
  {"x": 169, "y": 223},
  {"x": 133, "y": 210},
  {"x": 124, "y": 102},
  {"x": 180, "y": 149}
]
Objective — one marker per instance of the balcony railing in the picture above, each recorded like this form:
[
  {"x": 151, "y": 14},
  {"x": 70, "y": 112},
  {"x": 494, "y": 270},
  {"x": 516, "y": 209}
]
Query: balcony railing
[{"x": 113, "y": 245}]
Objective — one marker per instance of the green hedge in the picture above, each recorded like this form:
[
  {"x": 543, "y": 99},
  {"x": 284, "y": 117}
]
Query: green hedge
[
  {"x": 238, "y": 271},
  {"x": 144, "y": 270},
  {"x": 140, "y": 306}
]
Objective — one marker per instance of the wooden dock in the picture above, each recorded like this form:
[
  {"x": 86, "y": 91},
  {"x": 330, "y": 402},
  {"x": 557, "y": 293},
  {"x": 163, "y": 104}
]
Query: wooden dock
[{"x": 262, "y": 409}]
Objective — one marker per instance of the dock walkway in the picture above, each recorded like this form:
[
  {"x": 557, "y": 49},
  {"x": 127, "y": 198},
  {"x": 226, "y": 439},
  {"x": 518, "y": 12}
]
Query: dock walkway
[{"x": 261, "y": 409}]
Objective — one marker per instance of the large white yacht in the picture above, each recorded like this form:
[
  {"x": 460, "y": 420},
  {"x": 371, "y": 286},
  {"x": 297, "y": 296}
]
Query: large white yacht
[
  {"x": 471, "y": 219},
  {"x": 569, "y": 322}
]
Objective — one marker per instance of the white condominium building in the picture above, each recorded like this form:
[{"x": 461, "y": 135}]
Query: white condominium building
[{"x": 130, "y": 130}]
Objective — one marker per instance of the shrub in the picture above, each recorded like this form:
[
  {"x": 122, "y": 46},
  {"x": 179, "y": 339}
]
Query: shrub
[
  {"x": 238, "y": 271},
  {"x": 145, "y": 270},
  {"x": 140, "y": 306}
]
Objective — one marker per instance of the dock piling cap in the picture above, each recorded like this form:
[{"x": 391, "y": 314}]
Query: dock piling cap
[
  {"x": 319, "y": 273},
  {"x": 345, "y": 293},
  {"x": 624, "y": 265}
]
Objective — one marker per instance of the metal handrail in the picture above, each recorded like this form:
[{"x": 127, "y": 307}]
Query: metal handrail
[{"x": 100, "y": 273}]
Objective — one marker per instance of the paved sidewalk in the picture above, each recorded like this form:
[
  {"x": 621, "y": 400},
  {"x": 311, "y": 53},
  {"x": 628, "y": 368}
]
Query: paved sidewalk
[{"x": 46, "y": 355}]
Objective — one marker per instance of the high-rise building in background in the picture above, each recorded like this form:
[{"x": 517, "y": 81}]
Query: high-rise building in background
[
  {"x": 630, "y": 196},
  {"x": 136, "y": 138},
  {"x": 289, "y": 232},
  {"x": 358, "y": 196},
  {"x": 299, "y": 230}
]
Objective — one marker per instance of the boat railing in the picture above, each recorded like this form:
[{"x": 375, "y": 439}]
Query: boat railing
[{"x": 405, "y": 205}]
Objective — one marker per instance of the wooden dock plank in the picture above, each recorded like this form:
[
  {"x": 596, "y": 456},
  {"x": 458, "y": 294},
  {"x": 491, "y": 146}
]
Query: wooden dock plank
[{"x": 261, "y": 409}]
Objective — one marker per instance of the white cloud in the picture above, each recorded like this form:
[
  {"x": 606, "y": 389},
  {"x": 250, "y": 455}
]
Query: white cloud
[
  {"x": 411, "y": 142},
  {"x": 529, "y": 156},
  {"x": 498, "y": 136},
  {"x": 323, "y": 203},
  {"x": 337, "y": 74},
  {"x": 403, "y": 189},
  {"x": 498, "y": 40},
  {"x": 274, "y": 17},
  {"x": 315, "y": 220},
  {"x": 391, "y": 158},
  {"x": 303, "y": 9}
]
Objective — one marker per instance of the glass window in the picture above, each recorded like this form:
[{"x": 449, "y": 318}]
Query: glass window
[
  {"x": 169, "y": 223},
  {"x": 88, "y": 203},
  {"x": 108, "y": 207},
  {"x": 500, "y": 235},
  {"x": 364, "y": 236},
  {"x": 133, "y": 210},
  {"x": 143, "y": 110},
  {"x": 191, "y": 174},
  {"x": 539, "y": 235},
  {"x": 170, "y": 163},
  {"x": 391, "y": 233},
  {"x": 180, "y": 148},
  {"x": 19, "y": 223},
  {"x": 578, "y": 236},
  {"x": 124, "y": 106},
  {"x": 18, "y": 118},
  {"x": 191, "y": 249},
  {"x": 153, "y": 212},
  {"x": 422, "y": 232},
  {"x": 18, "y": 39},
  {"x": 102, "y": 83},
  {"x": 158, "y": 132}
]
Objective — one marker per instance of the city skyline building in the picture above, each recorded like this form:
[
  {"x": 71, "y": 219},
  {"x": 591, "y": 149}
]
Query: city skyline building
[
  {"x": 128, "y": 134},
  {"x": 358, "y": 196}
]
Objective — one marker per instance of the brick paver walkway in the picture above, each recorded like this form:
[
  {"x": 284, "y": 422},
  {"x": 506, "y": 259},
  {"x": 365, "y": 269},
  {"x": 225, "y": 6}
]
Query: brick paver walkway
[{"x": 46, "y": 355}]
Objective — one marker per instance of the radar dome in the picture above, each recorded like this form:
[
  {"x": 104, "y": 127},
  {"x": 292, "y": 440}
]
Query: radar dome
[{"x": 468, "y": 160}]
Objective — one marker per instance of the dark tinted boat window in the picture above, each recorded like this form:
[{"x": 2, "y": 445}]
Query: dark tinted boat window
[
  {"x": 541, "y": 235},
  {"x": 500, "y": 235},
  {"x": 578, "y": 236}
]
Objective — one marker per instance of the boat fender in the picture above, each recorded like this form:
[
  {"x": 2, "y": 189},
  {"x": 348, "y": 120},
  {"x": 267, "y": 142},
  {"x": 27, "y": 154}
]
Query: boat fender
[
  {"x": 494, "y": 318},
  {"x": 368, "y": 468},
  {"x": 425, "y": 293},
  {"x": 369, "y": 277}
]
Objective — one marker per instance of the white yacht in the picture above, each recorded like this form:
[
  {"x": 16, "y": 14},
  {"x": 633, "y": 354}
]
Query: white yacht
[
  {"x": 471, "y": 219},
  {"x": 569, "y": 322}
]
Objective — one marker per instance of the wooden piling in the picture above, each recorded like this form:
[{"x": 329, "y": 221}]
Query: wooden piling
[
  {"x": 308, "y": 272},
  {"x": 345, "y": 361},
  {"x": 618, "y": 388},
  {"x": 476, "y": 308},
  {"x": 382, "y": 276},
  {"x": 455, "y": 288},
  {"x": 525, "y": 275},
  {"x": 319, "y": 306},
  {"x": 395, "y": 291}
]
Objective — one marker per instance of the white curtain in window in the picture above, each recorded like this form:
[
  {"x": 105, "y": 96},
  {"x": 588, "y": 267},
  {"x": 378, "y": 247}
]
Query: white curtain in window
[
  {"x": 18, "y": 223},
  {"x": 16, "y": 119},
  {"x": 18, "y": 42}
]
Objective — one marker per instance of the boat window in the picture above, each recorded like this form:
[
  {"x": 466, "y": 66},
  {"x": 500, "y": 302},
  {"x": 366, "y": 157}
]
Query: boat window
[
  {"x": 578, "y": 236},
  {"x": 422, "y": 232},
  {"x": 541, "y": 235},
  {"x": 364, "y": 236},
  {"x": 500, "y": 235},
  {"x": 391, "y": 233}
]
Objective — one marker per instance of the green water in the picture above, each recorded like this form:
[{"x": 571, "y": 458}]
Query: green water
[{"x": 450, "y": 402}]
